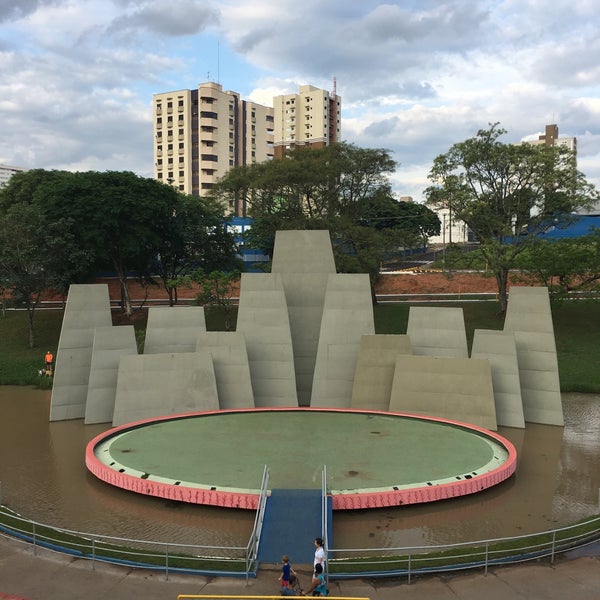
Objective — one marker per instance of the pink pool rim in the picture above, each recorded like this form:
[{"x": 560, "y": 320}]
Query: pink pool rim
[{"x": 346, "y": 500}]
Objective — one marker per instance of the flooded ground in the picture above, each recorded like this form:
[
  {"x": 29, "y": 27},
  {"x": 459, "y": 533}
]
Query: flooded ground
[{"x": 43, "y": 477}]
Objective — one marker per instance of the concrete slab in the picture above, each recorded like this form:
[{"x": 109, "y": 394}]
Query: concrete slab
[
  {"x": 173, "y": 329},
  {"x": 263, "y": 320},
  {"x": 153, "y": 385},
  {"x": 110, "y": 343},
  {"x": 347, "y": 316},
  {"x": 375, "y": 367},
  {"x": 529, "y": 318},
  {"x": 437, "y": 331},
  {"x": 88, "y": 307},
  {"x": 303, "y": 251},
  {"x": 304, "y": 259},
  {"x": 451, "y": 388},
  {"x": 500, "y": 349},
  {"x": 232, "y": 371}
]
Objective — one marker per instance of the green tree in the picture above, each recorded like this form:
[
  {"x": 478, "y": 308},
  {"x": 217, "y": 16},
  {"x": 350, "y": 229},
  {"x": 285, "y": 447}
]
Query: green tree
[
  {"x": 565, "y": 265},
  {"x": 340, "y": 188},
  {"x": 119, "y": 217},
  {"x": 196, "y": 237},
  {"x": 506, "y": 194},
  {"x": 218, "y": 289},
  {"x": 35, "y": 254}
]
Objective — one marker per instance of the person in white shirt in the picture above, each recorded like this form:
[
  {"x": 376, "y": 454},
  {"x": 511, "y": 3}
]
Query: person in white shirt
[{"x": 319, "y": 553}]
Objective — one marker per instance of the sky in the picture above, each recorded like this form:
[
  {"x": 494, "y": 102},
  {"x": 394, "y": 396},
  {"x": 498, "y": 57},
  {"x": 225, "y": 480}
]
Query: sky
[{"x": 415, "y": 76}]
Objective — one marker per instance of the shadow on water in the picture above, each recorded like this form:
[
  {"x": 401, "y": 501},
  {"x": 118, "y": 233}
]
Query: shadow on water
[{"x": 43, "y": 476}]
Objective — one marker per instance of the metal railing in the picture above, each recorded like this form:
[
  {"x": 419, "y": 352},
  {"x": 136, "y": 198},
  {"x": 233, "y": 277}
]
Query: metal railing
[
  {"x": 409, "y": 561},
  {"x": 324, "y": 521},
  {"x": 345, "y": 563},
  {"x": 254, "y": 541}
]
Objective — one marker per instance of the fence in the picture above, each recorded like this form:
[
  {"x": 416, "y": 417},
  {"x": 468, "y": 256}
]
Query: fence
[
  {"x": 343, "y": 563},
  {"x": 409, "y": 561}
]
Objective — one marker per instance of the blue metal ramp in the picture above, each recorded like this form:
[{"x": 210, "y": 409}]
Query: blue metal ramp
[{"x": 292, "y": 522}]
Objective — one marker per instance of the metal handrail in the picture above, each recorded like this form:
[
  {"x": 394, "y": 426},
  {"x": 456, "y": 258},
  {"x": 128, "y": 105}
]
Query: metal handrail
[
  {"x": 394, "y": 562},
  {"x": 324, "y": 521},
  {"x": 401, "y": 561},
  {"x": 254, "y": 541}
]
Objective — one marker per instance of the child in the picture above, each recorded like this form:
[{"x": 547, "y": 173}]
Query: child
[{"x": 286, "y": 571}]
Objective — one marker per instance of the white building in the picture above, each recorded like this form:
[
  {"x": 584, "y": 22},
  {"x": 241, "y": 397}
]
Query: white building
[{"x": 6, "y": 172}]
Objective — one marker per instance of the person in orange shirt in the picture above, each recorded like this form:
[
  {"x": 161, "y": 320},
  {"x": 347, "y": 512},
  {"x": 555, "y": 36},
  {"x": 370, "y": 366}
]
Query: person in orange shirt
[{"x": 49, "y": 359}]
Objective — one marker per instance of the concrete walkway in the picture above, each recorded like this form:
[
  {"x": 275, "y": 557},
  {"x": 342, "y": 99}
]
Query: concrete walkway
[{"x": 50, "y": 576}]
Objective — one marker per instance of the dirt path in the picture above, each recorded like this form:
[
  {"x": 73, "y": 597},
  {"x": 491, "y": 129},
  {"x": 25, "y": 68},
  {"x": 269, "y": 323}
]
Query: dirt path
[{"x": 392, "y": 283}]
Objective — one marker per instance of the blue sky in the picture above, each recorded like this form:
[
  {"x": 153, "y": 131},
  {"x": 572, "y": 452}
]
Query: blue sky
[{"x": 77, "y": 76}]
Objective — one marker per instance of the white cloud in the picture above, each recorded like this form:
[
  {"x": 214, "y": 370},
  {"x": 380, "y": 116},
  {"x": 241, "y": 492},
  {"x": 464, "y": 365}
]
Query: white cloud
[{"x": 77, "y": 78}]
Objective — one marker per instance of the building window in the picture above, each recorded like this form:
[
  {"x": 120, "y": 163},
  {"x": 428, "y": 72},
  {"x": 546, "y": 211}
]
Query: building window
[
  {"x": 181, "y": 173},
  {"x": 159, "y": 175},
  {"x": 180, "y": 103},
  {"x": 181, "y": 159},
  {"x": 181, "y": 145},
  {"x": 170, "y": 161},
  {"x": 159, "y": 161},
  {"x": 181, "y": 131},
  {"x": 169, "y": 146}
]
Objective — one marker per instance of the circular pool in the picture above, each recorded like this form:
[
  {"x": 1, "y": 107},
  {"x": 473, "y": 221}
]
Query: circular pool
[{"x": 372, "y": 459}]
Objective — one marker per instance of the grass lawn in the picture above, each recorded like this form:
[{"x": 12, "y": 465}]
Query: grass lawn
[{"x": 576, "y": 326}]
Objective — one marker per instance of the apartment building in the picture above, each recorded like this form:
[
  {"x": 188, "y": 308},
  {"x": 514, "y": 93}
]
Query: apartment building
[
  {"x": 200, "y": 134},
  {"x": 312, "y": 117},
  {"x": 551, "y": 138},
  {"x": 6, "y": 172}
]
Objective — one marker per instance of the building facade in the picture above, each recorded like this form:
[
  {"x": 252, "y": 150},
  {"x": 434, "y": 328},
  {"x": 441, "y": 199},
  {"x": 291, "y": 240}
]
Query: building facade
[
  {"x": 6, "y": 172},
  {"x": 312, "y": 117},
  {"x": 200, "y": 134}
]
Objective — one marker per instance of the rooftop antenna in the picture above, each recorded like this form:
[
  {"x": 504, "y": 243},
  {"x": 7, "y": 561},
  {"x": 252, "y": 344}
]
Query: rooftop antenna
[
  {"x": 218, "y": 61},
  {"x": 334, "y": 86}
]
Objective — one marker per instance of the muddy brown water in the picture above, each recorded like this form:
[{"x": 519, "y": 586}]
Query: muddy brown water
[{"x": 43, "y": 477}]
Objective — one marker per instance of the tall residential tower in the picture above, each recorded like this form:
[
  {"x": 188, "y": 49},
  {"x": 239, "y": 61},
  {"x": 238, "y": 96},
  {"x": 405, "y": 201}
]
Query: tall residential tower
[
  {"x": 312, "y": 117},
  {"x": 200, "y": 134}
]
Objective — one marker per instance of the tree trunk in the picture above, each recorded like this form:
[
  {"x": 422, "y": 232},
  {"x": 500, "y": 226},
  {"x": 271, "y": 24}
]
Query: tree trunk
[
  {"x": 502, "y": 282},
  {"x": 30, "y": 311},
  {"x": 125, "y": 299}
]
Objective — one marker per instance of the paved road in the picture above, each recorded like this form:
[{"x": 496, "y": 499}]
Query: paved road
[{"x": 49, "y": 576}]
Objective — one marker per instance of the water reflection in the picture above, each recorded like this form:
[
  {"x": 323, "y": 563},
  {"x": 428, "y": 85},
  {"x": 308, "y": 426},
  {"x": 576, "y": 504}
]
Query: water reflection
[{"x": 44, "y": 477}]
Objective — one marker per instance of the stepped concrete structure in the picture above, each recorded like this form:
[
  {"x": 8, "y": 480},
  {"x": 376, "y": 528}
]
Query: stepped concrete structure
[
  {"x": 304, "y": 259},
  {"x": 451, "y": 388},
  {"x": 437, "y": 331},
  {"x": 347, "y": 316},
  {"x": 529, "y": 318},
  {"x": 264, "y": 322},
  {"x": 110, "y": 343},
  {"x": 173, "y": 328},
  {"x": 306, "y": 338},
  {"x": 88, "y": 307},
  {"x": 232, "y": 371},
  {"x": 500, "y": 349},
  {"x": 155, "y": 385},
  {"x": 375, "y": 368}
]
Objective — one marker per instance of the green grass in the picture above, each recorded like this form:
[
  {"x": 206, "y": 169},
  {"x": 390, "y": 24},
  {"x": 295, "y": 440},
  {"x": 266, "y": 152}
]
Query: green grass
[{"x": 576, "y": 326}]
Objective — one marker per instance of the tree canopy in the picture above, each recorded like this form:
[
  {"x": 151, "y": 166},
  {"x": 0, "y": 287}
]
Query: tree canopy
[
  {"x": 564, "y": 265},
  {"x": 342, "y": 188},
  {"x": 507, "y": 194},
  {"x": 113, "y": 220}
]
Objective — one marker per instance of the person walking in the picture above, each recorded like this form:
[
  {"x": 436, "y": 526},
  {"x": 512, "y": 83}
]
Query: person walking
[{"x": 319, "y": 553}]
